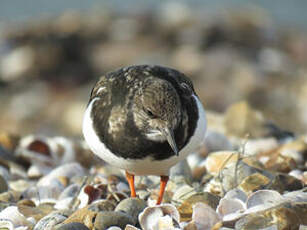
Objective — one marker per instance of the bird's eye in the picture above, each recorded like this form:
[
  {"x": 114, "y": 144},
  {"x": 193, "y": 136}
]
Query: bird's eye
[
  {"x": 186, "y": 89},
  {"x": 149, "y": 113}
]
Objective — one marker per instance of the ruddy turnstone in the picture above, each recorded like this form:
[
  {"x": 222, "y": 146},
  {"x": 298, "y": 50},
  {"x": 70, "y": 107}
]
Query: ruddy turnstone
[{"x": 144, "y": 119}]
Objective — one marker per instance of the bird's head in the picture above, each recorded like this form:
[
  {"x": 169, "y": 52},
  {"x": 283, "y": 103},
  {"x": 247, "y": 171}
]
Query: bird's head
[{"x": 157, "y": 111}]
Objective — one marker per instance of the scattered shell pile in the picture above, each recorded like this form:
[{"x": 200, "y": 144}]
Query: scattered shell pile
[
  {"x": 233, "y": 182},
  {"x": 249, "y": 174}
]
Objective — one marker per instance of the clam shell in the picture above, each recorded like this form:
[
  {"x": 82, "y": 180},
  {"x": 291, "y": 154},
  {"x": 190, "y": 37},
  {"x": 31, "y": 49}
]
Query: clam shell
[
  {"x": 37, "y": 170},
  {"x": 36, "y": 149},
  {"x": 12, "y": 214},
  {"x": 151, "y": 217},
  {"x": 263, "y": 199},
  {"x": 131, "y": 227},
  {"x": 67, "y": 170},
  {"x": 68, "y": 150},
  {"x": 228, "y": 206},
  {"x": 49, "y": 221},
  {"x": 204, "y": 216},
  {"x": 6, "y": 224},
  {"x": 114, "y": 228},
  {"x": 236, "y": 194}
]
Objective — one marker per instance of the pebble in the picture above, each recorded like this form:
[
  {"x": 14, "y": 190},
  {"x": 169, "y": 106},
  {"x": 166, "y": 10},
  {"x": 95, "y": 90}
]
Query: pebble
[
  {"x": 107, "y": 219},
  {"x": 3, "y": 184},
  {"x": 72, "y": 226},
  {"x": 132, "y": 206}
]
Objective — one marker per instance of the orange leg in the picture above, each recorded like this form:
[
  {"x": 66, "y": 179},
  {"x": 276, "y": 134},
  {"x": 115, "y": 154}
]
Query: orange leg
[
  {"x": 130, "y": 179},
  {"x": 163, "y": 182}
]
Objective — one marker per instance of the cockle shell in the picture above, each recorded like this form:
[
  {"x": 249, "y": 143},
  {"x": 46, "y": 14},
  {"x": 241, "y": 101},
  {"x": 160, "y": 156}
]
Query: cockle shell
[
  {"x": 12, "y": 214},
  {"x": 153, "y": 218},
  {"x": 6, "y": 224}
]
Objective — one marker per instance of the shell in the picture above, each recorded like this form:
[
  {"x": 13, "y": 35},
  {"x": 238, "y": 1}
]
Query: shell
[
  {"x": 12, "y": 213},
  {"x": 36, "y": 149},
  {"x": 68, "y": 150},
  {"x": 236, "y": 194},
  {"x": 216, "y": 141},
  {"x": 296, "y": 196},
  {"x": 67, "y": 170},
  {"x": 114, "y": 228},
  {"x": 217, "y": 160},
  {"x": 70, "y": 191},
  {"x": 49, "y": 221},
  {"x": 38, "y": 170},
  {"x": 131, "y": 227},
  {"x": 228, "y": 206},
  {"x": 6, "y": 224},
  {"x": 263, "y": 199},
  {"x": 153, "y": 217},
  {"x": 204, "y": 216}
]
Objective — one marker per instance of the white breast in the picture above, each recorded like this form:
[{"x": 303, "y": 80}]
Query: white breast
[{"x": 146, "y": 166}]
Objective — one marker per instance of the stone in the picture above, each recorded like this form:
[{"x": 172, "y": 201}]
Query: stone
[
  {"x": 72, "y": 226},
  {"x": 3, "y": 185},
  {"x": 132, "y": 206},
  {"x": 107, "y": 219}
]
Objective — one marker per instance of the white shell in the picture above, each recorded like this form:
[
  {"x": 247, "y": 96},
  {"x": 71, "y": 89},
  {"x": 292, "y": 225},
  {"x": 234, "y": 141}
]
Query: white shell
[
  {"x": 38, "y": 170},
  {"x": 263, "y": 199},
  {"x": 165, "y": 223},
  {"x": 67, "y": 170},
  {"x": 183, "y": 193},
  {"x": 12, "y": 213},
  {"x": 114, "y": 228},
  {"x": 204, "y": 216},
  {"x": 227, "y": 206},
  {"x": 34, "y": 157},
  {"x": 273, "y": 227},
  {"x": 48, "y": 222},
  {"x": 149, "y": 217},
  {"x": 236, "y": 193},
  {"x": 63, "y": 203},
  {"x": 216, "y": 141},
  {"x": 6, "y": 224},
  {"x": 131, "y": 227},
  {"x": 296, "y": 196},
  {"x": 153, "y": 217}
]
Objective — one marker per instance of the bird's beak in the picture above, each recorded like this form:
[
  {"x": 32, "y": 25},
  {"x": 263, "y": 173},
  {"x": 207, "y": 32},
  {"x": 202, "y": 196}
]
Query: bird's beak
[{"x": 169, "y": 135}]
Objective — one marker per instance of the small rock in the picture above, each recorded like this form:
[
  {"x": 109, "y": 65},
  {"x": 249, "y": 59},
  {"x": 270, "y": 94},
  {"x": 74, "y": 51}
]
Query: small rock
[
  {"x": 131, "y": 206},
  {"x": 3, "y": 185},
  {"x": 83, "y": 215},
  {"x": 101, "y": 205},
  {"x": 107, "y": 219},
  {"x": 72, "y": 226}
]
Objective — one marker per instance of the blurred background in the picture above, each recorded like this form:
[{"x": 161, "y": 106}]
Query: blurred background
[{"x": 52, "y": 52}]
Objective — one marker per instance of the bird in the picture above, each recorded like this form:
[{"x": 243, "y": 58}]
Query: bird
[{"x": 144, "y": 119}]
